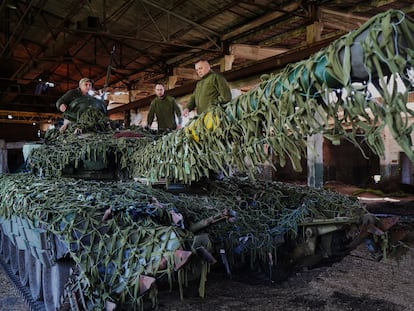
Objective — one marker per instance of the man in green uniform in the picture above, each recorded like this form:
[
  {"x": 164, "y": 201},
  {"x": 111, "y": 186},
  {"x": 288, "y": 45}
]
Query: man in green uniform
[
  {"x": 165, "y": 109},
  {"x": 76, "y": 101},
  {"x": 212, "y": 88}
]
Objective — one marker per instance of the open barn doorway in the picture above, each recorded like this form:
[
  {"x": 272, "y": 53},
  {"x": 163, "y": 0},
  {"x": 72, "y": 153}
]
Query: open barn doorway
[{"x": 348, "y": 164}]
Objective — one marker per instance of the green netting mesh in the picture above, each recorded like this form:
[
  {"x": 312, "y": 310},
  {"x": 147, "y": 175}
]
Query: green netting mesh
[
  {"x": 141, "y": 236},
  {"x": 327, "y": 93}
]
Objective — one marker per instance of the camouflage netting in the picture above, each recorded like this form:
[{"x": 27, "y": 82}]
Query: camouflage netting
[
  {"x": 267, "y": 212},
  {"x": 71, "y": 148},
  {"x": 113, "y": 254},
  {"x": 327, "y": 93}
]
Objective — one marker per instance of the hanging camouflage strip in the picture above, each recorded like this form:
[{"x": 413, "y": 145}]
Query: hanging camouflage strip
[{"x": 327, "y": 93}]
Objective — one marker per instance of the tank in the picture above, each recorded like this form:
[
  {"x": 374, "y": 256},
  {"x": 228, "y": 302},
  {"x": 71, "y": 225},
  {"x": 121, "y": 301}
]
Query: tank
[
  {"x": 106, "y": 219},
  {"x": 92, "y": 245}
]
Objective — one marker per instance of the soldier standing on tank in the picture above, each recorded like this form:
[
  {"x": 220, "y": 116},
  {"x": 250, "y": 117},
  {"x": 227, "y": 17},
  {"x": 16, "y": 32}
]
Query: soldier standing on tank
[
  {"x": 66, "y": 105},
  {"x": 212, "y": 88},
  {"x": 165, "y": 109}
]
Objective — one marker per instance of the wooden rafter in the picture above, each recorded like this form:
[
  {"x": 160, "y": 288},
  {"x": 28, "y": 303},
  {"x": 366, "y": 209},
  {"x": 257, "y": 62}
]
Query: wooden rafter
[
  {"x": 254, "y": 52},
  {"x": 339, "y": 20},
  {"x": 9, "y": 116}
]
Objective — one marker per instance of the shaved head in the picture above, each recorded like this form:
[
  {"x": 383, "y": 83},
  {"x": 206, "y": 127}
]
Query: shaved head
[{"x": 202, "y": 67}]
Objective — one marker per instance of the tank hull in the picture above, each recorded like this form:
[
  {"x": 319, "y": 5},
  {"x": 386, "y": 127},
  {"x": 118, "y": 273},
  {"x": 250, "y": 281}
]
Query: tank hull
[{"x": 85, "y": 240}]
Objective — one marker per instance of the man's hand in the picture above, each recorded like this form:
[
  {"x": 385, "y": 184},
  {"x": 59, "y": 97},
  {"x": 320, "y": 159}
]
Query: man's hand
[{"x": 64, "y": 126}]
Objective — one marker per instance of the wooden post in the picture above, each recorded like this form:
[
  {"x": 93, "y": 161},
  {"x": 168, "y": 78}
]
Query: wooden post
[
  {"x": 315, "y": 142},
  {"x": 172, "y": 80},
  {"x": 127, "y": 118},
  {"x": 4, "y": 168},
  {"x": 313, "y": 32},
  {"x": 226, "y": 63},
  {"x": 315, "y": 160}
]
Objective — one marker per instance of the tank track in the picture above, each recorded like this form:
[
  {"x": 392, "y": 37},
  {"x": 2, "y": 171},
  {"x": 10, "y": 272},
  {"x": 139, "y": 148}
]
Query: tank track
[
  {"x": 27, "y": 264},
  {"x": 23, "y": 291}
]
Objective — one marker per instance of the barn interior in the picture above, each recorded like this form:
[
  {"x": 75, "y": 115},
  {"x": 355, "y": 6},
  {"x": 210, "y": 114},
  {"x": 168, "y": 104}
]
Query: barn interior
[{"x": 109, "y": 219}]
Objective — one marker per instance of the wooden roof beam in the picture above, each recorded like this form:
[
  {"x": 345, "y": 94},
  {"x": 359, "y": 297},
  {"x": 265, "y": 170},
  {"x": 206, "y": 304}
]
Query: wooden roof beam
[
  {"x": 10, "y": 116},
  {"x": 339, "y": 20},
  {"x": 290, "y": 8},
  {"x": 185, "y": 73},
  {"x": 254, "y": 52}
]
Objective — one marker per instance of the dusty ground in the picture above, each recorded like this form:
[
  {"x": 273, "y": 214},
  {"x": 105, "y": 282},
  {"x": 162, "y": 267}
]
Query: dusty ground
[
  {"x": 10, "y": 300},
  {"x": 356, "y": 283}
]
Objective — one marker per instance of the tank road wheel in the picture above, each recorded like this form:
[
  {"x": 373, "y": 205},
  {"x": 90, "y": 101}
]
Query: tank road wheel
[
  {"x": 2, "y": 237},
  {"x": 54, "y": 280},
  {"x": 24, "y": 260},
  {"x": 6, "y": 248},
  {"x": 35, "y": 277},
  {"x": 14, "y": 258}
]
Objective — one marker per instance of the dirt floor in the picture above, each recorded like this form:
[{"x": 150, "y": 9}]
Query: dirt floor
[
  {"x": 358, "y": 282},
  {"x": 10, "y": 299}
]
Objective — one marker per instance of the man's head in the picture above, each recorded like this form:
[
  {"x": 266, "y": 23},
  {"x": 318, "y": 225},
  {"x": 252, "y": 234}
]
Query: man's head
[
  {"x": 202, "y": 67},
  {"x": 159, "y": 90},
  {"x": 85, "y": 85}
]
